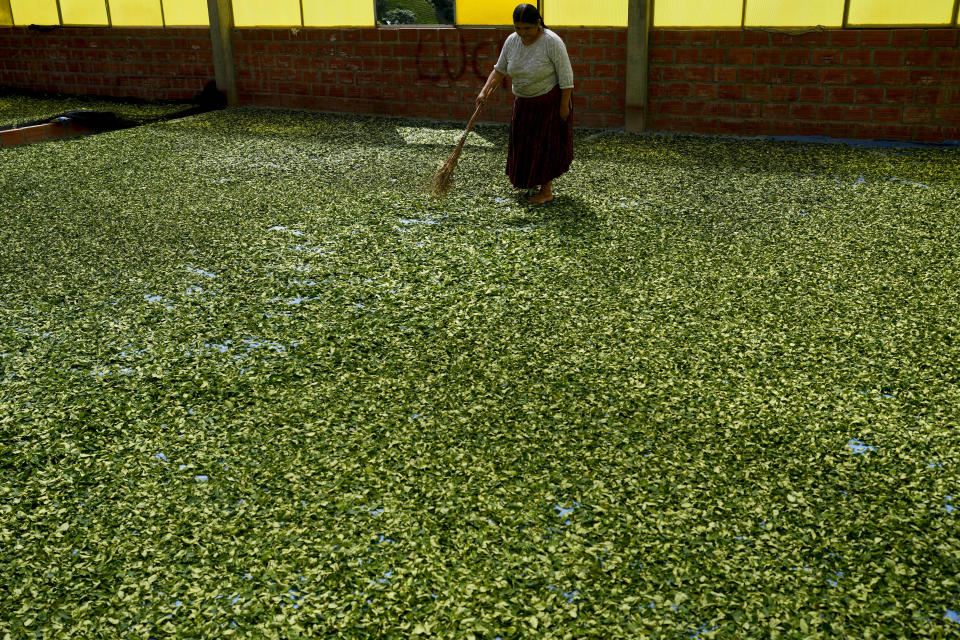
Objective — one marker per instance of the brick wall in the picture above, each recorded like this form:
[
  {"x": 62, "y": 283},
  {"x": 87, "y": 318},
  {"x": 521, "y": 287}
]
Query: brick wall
[
  {"x": 876, "y": 83},
  {"x": 871, "y": 83},
  {"x": 145, "y": 63},
  {"x": 430, "y": 72}
]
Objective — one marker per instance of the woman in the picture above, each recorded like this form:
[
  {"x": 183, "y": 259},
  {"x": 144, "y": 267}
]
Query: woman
[{"x": 541, "y": 130}]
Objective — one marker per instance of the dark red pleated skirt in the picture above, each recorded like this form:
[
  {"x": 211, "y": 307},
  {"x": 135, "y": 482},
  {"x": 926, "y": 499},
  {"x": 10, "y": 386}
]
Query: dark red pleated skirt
[{"x": 541, "y": 144}]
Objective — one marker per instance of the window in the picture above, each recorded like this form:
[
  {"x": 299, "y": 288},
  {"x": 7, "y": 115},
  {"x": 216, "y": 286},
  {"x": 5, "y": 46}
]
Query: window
[{"x": 391, "y": 12}]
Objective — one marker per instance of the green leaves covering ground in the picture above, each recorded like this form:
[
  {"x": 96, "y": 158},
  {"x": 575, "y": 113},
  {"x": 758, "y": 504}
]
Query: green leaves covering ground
[
  {"x": 254, "y": 383},
  {"x": 18, "y": 109}
]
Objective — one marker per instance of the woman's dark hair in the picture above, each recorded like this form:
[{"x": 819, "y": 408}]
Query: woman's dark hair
[{"x": 528, "y": 14}]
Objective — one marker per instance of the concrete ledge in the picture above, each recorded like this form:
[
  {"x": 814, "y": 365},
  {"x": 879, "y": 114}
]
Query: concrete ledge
[{"x": 41, "y": 133}]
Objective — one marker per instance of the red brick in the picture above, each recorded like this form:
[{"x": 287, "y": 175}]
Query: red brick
[
  {"x": 908, "y": 37},
  {"x": 776, "y": 75},
  {"x": 887, "y": 58},
  {"x": 705, "y": 125},
  {"x": 757, "y": 92},
  {"x": 615, "y": 54},
  {"x": 948, "y": 115},
  {"x": 694, "y": 108},
  {"x": 928, "y": 134},
  {"x": 900, "y": 96},
  {"x": 830, "y": 112},
  {"x": 948, "y": 58},
  {"x": 833, "y": 76},
  {"x": 863, "y": 77},
  {"x": 785, "y": 128},
  {"x": 841, "y": 38},
  {"x": 805, "y": 76},
  {"x": 887, "y": 114},
  {"x": 811, "y": 94},
  {"x": 579, "y": 36},
  {"x": 876, "y": 38},
  {"x": 942, "y": 38},
  {"x": 708, "y": 91},
  {"x": 724, "y": 74},
  {"x": 920, "y": 58},
  {"x": 661, "y": 55},
  {"x": 769, "y": 57},
  {"x": 793, "y": 57},
  {"x": 730, "y": 92},
  {"x": 604, "y": 36},
  {"x": 926, "y": 78},
  {"x": 698, "y": 74},
  {"x": 713, "y": 56},
  {"x": 604, "y": 70},
  {"x": 931, "y": 96},
  {"x": 679, "y": 90},
  {"x": 917, "y": 115},
  {"x": 815, "y": 39},
  {"x": 601, "y": 103},
  {"x": 750, "y": 75},
  {"x": 657, "y": 91},
  {"x": 776, "y": 111},
  {"x": 895, "y": 77},
  {"x": 842, "y": 130},
  {"x": 897, "y": 132},
  {"x": 672, "y": 73},
  {"x": 688, "y": 56},
  {"x": 670, "y": 106},
  {"x": 730, "y": 38},
  {"x": 591, "y": 86},
  {"x": 703, "y": 38},
  {"x": 869, "y": 131},
  {"x": 749, "y": 110},
  {"x": 674, "y": 37},
  {"x": 740, "y": 56},
  {"x": 591, "y": 53},
  {"x": 615, "y": 87},
  {"x": 784, "y": 94},
  {"x": 869, "y": 96},
  {"x": 756, "y": 39},
  {"x": 826, "y": 56}
]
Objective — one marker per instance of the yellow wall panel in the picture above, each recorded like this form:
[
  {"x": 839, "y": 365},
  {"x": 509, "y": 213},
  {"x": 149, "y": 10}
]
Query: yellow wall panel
[
  {"x": 267, "y": 13},
  {"x": 876, "y": 12},
  {"x": 577, "y": 13},
  {"x": 338, "y": 13},
  {"x": 6, "y": 17},
  {"x": 492, "y": 12},
  {"x": 26, "y": 12},
  {"x": 84, "y": 12},
  {"x": 186, "y": 13},
  {"x": 697, "y": 13},
  {"x": 791, "y": 13},
  {"x": 135, "y": 13}
]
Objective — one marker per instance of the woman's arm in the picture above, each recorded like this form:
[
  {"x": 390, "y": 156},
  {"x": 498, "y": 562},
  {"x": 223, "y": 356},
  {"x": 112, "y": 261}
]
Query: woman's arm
[
  {"x": 565, "y": 103},
  {"x": 494, "y": 79}
]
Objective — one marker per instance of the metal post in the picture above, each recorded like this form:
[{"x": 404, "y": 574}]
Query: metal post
[
  {"x": 639, "y": 20},
  {"x": 956, "y": 9},
  {"x": 846, "y": 13},
  {"x": 6, "y": 10},
  {"x": 221, "y": 35}
]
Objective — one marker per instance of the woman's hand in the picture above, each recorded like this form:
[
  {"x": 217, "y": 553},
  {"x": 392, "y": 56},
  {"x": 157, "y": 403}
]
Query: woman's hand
[
  {"x": 565, "y": 110},
  {"x": 482, "y": 98}
]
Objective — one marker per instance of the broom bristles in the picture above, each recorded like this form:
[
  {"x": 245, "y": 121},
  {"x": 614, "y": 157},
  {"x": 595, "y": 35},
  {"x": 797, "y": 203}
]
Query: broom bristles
[{"x": 444, "y": 178}]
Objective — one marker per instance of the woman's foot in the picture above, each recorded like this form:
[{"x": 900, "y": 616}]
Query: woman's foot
[{"x": 545, "y": 195}]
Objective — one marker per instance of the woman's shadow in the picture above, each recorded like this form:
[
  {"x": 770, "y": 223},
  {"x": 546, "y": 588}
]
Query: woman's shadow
[{"x": 569, "y": 213}]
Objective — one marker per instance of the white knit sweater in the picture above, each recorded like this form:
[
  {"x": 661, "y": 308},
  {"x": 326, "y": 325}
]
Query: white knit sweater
[{"x": 537, "y": 68}]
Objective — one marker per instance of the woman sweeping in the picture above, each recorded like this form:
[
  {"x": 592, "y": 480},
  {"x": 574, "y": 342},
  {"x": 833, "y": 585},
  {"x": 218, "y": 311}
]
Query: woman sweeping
[{"x": 541, "y": 130}]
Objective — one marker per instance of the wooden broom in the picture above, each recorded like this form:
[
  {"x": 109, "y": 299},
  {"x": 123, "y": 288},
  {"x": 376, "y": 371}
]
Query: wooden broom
[{"x": 444, "y": 178}]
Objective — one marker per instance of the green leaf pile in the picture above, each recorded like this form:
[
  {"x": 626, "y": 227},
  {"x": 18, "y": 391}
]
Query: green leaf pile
[{"x": 255, "y": 383}]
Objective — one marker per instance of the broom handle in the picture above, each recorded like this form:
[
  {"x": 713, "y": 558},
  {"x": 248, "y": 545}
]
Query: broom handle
[{"x": 476, "y": 114}]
